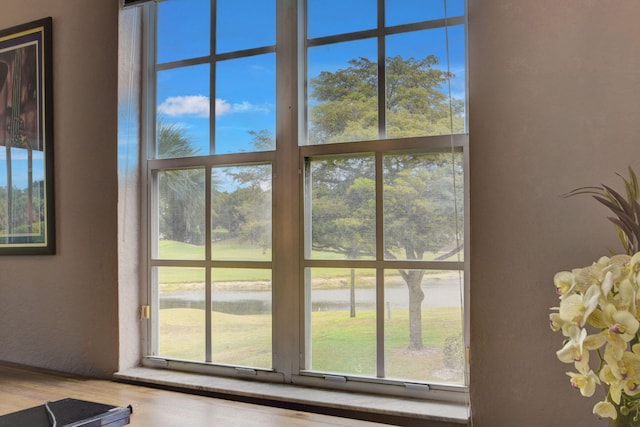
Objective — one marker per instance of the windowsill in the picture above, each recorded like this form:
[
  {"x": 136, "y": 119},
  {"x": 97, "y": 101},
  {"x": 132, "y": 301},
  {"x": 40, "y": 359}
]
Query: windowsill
[{"x": 331, "y": 402}]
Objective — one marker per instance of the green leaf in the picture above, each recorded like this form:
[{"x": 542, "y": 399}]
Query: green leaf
[
  {"x": 619, "y": 199},
  {"x": 583, "y": 190},
  {"x": 626, "y": 221},
  {"x": 624, "y": 227},
  {"x": 612, "y": 206}
]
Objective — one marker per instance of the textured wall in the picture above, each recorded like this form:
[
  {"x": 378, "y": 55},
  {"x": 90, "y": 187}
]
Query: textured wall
[
  {"x": 554, "y": 104},
  {"x": 129, "y": 276},
  {"x": 60, "y": 312}
]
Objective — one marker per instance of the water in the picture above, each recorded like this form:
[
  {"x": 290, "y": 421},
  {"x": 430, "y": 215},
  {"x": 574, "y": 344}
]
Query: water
[{"x": 443, "y": 293}]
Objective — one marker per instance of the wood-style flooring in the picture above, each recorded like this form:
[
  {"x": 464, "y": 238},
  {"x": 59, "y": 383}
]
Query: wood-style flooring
[{"x": 24, "y": 388}]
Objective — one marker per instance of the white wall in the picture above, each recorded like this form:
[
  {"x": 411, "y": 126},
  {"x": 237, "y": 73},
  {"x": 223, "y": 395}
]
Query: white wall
[
  {"x": 554, "y": 105},
  {"x": 60, "y": 312},
  {"x": 130, "y": 293}
]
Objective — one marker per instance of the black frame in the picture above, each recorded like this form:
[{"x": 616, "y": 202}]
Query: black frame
[{"x": 27, "y": 214}]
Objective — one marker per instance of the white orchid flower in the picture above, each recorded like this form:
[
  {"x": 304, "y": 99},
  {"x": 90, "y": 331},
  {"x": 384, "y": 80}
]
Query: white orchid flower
[{"x": 576, "y": 308}]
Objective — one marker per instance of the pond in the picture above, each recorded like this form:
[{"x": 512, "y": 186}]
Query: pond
[{"x": 443, "y": 293}]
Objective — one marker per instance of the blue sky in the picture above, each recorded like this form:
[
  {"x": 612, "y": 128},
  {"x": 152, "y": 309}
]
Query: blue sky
[
  {"x": 245, "y": 88},
  {"x": 19, "y": 170}
]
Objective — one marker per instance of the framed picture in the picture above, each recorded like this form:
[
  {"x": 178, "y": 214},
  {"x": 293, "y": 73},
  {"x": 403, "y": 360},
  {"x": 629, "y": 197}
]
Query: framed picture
[{"x": 27, "y": 221}]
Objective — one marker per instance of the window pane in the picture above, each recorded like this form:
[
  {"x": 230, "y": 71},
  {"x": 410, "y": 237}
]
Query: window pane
[
  {"x": 241, "y": 304},
  {"x": 180, "y": 23},
  {"x": 183, "y": 112},
  {"x": 343, "y": 209},
  {"x": 400, "y": 12},
  {"x": 417, "y": 89},
  {"x": 423, "y": 210},
  {"x": 331, "y": 17},
  {"x": 343, "y": 92},
  {"x": 241, "y": 213},
  {"x": 458, "y": 78},
  {"x": 455, "y": 8},
  {"x": 342, "y": 320},
  {"x": 245, "y": 24},
  {"x": 245, "y": 104},
  {"x": 181, "y": 320},
  {"x": 181, "y": 214},
  {"x": 423, "y": 326}
]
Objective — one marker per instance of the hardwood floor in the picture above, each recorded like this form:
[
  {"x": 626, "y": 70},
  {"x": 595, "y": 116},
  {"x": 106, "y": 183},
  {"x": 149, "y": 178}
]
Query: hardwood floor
[{"x": 21, "y": 389}]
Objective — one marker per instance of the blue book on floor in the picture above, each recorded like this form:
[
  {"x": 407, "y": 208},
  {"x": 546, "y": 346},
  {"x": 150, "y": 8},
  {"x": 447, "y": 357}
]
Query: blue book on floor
[{"x": 68, "y": 413}]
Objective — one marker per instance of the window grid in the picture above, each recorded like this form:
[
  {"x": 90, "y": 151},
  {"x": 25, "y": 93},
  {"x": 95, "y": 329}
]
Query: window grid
[{"x": 379, "y": 147}]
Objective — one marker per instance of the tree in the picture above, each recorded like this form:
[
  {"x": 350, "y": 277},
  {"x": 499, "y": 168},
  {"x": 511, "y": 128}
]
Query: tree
[
  {"x": 181, "y": 192},
  {"x": 420, "y": 216},
  {"x": 343, "y": 214},
  {"x": 236, "y": 213},
  {"x": 27, "y": 216},
  {"x": 345, "y": 104},
  {"x": 419, "y": 202},
  {"x": 245, "y": 212},
  {"x": 243, "y": 209}
]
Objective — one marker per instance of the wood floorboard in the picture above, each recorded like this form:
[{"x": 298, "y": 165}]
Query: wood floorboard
[{"x": 24, "y": 388}]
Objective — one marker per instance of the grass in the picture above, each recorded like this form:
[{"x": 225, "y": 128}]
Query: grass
[
  {"x": 233, "y": 250},
  {"x": 340, "y": 343},
  {"x": 238, "y": 340}
]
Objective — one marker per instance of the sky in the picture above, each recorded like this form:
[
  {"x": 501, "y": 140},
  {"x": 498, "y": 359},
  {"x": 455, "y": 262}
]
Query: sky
[{"x": 245, "y": 87}]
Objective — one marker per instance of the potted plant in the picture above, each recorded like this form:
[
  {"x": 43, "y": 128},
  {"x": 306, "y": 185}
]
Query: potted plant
[{"x": 599, "y": 311}]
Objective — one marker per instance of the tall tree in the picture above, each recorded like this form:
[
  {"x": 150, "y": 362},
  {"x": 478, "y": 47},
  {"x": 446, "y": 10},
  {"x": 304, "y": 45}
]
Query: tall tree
[
  {"x": 243, "y": 206},
  {"x": 243, "y": 210},
  {"x": 419, "y": 204},
  {"x": 345, "y": 106},
  {"x": 420, "y": 217},
  {"x": 181, "y": 191}
]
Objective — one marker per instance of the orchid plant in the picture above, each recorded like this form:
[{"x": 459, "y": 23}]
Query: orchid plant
[{"x": 599, "y": 311}]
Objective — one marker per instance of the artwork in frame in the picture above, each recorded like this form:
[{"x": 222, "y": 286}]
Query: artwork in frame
[{"x": 27, "y": 221}]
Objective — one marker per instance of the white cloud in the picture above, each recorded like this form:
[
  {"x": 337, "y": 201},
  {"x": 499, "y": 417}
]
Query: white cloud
[
  {"x": 247, "y": 107},
  {"x": 195, "y": 105},
  {"x": 222, "y": 107},
  {"x": 198, "y": 105}
]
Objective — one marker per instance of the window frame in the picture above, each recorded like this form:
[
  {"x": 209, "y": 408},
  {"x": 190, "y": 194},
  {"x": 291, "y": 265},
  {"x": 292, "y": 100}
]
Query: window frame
[{"x": 287, "y": 161}]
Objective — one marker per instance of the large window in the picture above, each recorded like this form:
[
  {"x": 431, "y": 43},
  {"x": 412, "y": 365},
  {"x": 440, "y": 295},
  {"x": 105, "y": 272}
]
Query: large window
[{"x": 306, "y": 190}]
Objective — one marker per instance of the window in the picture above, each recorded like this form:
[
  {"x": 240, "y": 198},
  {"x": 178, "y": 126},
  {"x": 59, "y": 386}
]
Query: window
[{"x": 306, "y": 190}]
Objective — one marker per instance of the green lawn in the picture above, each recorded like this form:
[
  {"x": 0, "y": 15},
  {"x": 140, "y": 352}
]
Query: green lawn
[
  {"x": 238, "y": 340},
  {"x": 233, "y": 250},
  {"x": 340, "y": 343}
]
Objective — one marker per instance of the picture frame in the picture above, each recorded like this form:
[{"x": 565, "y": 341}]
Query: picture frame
[{"x": 27, "y": 211}]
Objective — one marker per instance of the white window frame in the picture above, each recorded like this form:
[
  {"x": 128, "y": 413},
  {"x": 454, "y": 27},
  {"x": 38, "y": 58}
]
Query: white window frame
[{"x": 287, "y": 162}]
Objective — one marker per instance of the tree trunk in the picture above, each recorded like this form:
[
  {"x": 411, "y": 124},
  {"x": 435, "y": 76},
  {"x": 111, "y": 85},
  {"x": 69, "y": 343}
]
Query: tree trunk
[{"x": 416, "y": 296}]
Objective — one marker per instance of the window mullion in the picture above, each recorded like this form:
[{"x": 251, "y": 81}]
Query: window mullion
[
  {"x": 212, "y": 79},
  {"x": 382, "y": 95},
  {"x": 208, "y": 187},
  {"x": 286, "y": 195},
  {"x": 379, "y": 187},
  {"x": 208, "y": 274}
]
